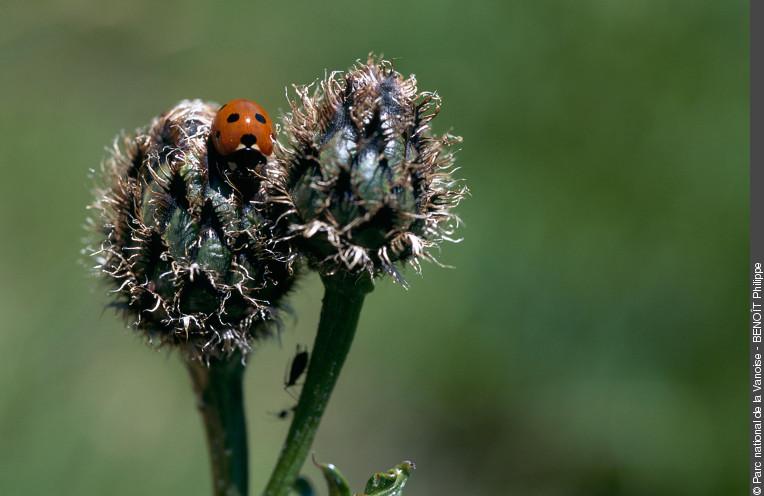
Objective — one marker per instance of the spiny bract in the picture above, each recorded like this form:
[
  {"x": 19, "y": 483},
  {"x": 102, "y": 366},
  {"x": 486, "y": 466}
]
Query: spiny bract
[
  {"x": 366, "y": 184},
  {"x": 184, "y": 240}
]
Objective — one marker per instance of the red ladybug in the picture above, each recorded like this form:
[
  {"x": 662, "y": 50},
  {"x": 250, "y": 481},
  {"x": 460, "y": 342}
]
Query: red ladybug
[{"x": 242, "y": 125}]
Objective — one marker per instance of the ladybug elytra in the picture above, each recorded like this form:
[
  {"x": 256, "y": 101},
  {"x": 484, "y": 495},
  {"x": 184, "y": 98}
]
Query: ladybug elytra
[{"x": 242, "y": 125}]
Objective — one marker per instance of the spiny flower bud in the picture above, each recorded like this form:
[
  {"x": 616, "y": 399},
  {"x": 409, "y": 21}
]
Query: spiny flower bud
[
  {"x": 366, "y": 182},
  {"x": 183, "y": 238}
]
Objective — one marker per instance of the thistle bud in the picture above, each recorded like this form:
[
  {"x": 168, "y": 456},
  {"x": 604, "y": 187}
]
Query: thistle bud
[
  {"x": 183, "y": 238},
  {"x": 366, "y": 182}
]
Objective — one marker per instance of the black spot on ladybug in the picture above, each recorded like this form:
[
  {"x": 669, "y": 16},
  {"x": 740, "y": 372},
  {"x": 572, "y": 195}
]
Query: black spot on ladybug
[
  {"x": 260, "y": 118},
  {"x": 248, "y": 140},
  {"x": 233, "y": 117},
  {"x": 217, "y": 134}
]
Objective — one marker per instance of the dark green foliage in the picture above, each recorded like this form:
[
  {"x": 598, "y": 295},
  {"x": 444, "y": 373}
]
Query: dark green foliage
[{"x": 390, "y": 483}]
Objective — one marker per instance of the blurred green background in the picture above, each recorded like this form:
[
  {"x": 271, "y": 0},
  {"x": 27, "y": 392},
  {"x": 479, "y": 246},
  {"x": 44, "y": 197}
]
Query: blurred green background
[{"x": 590, "y": 340}]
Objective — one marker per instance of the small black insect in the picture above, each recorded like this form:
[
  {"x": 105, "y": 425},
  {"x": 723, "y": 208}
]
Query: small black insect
[
  {"x": 283, "y": 414},
  {"x": 297, "y": 368}
]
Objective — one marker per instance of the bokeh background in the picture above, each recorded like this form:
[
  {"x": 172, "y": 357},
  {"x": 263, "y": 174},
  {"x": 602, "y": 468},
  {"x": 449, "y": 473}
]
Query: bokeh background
[{"x": 590, "y": 340}]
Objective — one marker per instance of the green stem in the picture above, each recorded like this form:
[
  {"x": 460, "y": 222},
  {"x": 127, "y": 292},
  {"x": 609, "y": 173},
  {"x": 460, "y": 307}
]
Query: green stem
[
  {"x": 220, "y": 401},
  {"x": 343, "y": 299}
]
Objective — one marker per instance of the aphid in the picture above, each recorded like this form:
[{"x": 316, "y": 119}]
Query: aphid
[
  {"x": 242, "y": 125},
  {"x": 283, "y": 414},
  {"x": 297, "y": 368}
]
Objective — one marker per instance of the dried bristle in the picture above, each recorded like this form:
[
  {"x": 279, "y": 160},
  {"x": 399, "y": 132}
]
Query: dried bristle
[
  {"x": 367, "y": 184},
  {"x": 190, "y": 257}
]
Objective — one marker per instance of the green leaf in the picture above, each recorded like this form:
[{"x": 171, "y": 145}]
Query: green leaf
[
  {"x": 213, "y": 254},
  {"x": 390, "y": 483},
  {"x": 334, "y": 479},
  {"x": 181, "y": 233}
]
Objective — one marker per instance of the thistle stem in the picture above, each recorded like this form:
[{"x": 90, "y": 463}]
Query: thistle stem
[
  {"x": 220, "y": 401},
  {"x": 343, "y": 300}
]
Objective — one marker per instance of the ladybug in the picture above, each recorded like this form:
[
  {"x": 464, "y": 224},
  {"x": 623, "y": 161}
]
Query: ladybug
[{"x": 242, "y": 125}]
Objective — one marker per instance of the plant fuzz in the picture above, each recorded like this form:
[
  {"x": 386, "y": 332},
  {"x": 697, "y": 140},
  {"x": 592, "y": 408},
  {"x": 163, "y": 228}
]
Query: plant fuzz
[
  {"x": 365, "y": 182},
  {"x": 184, "y": 240}
]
